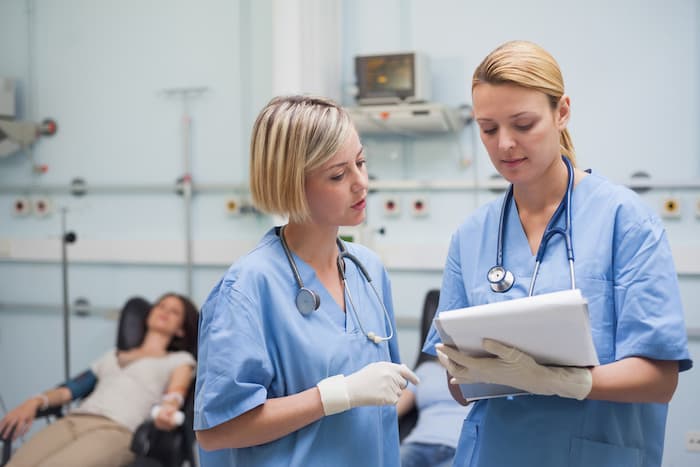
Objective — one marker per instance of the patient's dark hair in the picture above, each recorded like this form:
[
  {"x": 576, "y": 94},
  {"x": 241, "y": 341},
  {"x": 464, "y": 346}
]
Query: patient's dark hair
[{"x": 188, "y": 342}]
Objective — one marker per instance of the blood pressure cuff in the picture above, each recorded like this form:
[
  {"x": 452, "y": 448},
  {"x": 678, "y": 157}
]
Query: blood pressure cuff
[{"x": 81, "y": 385}]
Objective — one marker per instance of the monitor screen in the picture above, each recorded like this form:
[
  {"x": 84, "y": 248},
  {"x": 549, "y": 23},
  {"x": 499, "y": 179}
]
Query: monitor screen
[{"x": 386, "y": 76}]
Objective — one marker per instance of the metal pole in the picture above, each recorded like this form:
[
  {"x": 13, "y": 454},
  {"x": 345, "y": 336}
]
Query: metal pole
[
  {"x": 66, "y": 308},
  {"x": 185, "y": 95}
]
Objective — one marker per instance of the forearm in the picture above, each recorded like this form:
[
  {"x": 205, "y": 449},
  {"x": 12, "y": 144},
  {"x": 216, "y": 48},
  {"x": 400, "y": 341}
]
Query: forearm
[
  {"x": 635, "y": 379},
  {"x": 55, "y": 397},
  {"x": 178, "y": 385},
  {"x": 406, "y": 402},
  {"x": 274, "y": 419}
]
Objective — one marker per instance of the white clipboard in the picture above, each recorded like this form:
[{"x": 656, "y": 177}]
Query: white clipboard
[{"x": 553, "y": 328}]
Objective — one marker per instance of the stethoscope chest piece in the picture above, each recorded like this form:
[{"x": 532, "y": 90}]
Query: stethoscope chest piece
[
  {"x": 307, "y": 301},
  {"x": 500, "y": 279}
]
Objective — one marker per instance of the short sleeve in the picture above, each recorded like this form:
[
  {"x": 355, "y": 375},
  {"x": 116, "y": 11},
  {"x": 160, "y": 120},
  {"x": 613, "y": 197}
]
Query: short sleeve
[
  {"x": 647, "y": 298},
  {"x": 99, "y": 366},
  {"x": 181, "y": 358},
  {"x": 234, "y": 367}
]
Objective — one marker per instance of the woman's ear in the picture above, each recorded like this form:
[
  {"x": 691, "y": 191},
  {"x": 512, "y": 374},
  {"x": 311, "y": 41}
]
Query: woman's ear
[{"x": 563, "y": 112}]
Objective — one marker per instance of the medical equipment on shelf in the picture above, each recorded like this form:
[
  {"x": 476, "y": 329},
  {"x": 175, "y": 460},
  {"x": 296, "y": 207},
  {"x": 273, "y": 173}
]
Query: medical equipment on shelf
[
  {"x": 307, "y": 300},
  {"x": 18, "y": 135},
  {"x": 499, "y": 277},
  {"x": 392, "y": 78}
]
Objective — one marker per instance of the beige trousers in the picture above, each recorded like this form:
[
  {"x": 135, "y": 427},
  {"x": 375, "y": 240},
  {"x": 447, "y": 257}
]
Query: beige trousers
[{"x": 76, "y": 440}]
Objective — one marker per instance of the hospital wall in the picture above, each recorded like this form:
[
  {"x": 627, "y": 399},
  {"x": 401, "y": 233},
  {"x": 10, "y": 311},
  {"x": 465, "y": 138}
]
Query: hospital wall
[{"x": 102, "y": 69}]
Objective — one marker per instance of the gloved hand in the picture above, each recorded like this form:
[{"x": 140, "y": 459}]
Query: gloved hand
[
  {"x": 379, "y": 383},
  {"x": 515, "y": 368}
]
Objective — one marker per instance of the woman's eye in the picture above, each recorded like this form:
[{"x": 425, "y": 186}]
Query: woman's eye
[
  {"x": 489, "y": 131},
  {"x": 525, "y": 127},
  {"x": 338, "y": 177},
  {"x": 360, "y": 163}
]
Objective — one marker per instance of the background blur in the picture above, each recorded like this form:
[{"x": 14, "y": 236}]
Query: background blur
[{"x": 154, "y": 102}]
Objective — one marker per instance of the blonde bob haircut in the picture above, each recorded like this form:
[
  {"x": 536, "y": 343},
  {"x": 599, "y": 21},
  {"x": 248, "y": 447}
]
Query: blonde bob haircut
[
  {"x": 527, "y": 65},
  {"x": 292, "y": 136}
]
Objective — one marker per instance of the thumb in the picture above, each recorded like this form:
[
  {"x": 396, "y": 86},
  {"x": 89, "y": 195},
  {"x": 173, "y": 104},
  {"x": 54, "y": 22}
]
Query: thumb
[
  {"x": 408, "y": 374},
  {"x": 506, "y": 353}
]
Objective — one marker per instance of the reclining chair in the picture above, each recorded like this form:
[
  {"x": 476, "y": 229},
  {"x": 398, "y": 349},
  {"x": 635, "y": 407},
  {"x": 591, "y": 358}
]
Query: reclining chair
[
  {"x": 152, "y": 447},
  {"x": 409, "y": 419}
]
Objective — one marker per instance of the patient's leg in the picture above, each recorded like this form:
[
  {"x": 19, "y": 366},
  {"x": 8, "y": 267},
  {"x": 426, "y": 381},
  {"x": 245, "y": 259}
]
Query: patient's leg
[
  {"x": 86, "y": 441},
  {"x": 43, "y": 444}
]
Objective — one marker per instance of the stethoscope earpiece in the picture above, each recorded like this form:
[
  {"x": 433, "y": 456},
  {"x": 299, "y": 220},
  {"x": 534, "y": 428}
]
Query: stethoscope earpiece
[
  {"x": 375, "y": 338},
  {"x": 307, "y": 301}
]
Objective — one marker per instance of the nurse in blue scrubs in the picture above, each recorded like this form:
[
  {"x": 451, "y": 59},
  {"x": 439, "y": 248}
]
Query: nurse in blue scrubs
[
  {"x": 613, "y": 414},
  {"x": 299, "y": 361}
]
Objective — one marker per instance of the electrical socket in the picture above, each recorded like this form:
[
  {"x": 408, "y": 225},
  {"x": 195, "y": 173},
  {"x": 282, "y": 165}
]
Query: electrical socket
[
  {"x": 21, "y": 207},
  {"x": 692, "y": 441},
  {"x": 419, "y": 207},
  {"x": 42, "y": 207},
  {"x": 392, "y": 207},
  {"x": 671, "y": 207},
  {"x": 233, "y": 206}
]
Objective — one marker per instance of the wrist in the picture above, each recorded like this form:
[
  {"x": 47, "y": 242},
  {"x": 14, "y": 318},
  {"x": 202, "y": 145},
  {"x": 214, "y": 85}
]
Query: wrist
[
  {"x": 334, "y": 394},
  {"x": 173, "y": 399},
  {"x": 42, "y": 401}
]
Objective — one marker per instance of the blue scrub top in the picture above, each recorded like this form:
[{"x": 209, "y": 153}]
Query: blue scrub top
[
  {"x": 255, "y": 345},
  {"x": 624, "y": 268}
]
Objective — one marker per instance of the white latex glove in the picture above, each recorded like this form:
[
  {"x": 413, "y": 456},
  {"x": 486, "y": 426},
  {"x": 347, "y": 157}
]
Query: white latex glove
[
  {"x": 379, "y": 383},
  {"x": 515, "y": 368}
]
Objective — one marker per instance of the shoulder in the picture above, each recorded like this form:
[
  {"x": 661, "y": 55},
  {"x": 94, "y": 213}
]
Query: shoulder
[
  {"x": 363, "y": 253},
  {"x": 181, "y": 357},
  {"x": 106, "y": 361},
  {"x": 628, "y": 210},
  {"x": 370, "y": 259}
]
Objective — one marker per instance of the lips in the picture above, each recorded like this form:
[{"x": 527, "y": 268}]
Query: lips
[
  {"x": 513, "y": 162},
  {"x": 360, "y": 204}
]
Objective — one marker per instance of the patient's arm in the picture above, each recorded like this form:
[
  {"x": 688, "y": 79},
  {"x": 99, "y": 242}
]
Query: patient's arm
[
  {"x": 406, "y": 402},
  {"x": 174, "y": 397},
  {"x": 20, "y": 418}
]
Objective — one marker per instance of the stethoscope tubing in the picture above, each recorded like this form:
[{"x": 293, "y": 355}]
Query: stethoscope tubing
[
  {"x": 307, "y": 300},
  {"x": 507, "y": 278}
]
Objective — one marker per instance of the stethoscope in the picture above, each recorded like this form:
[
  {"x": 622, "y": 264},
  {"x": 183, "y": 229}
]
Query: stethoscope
[
  {"x": 307, "y": 300},
  {"x": 500, "y": 278}
]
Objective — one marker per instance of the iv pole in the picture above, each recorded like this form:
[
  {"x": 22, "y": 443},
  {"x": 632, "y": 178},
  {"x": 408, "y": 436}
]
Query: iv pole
[
  {"x": 186, "y": 94},
  {"x": 66, "y": 238}
]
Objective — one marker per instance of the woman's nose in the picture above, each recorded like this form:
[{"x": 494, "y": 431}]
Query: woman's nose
[
  {"x": 361, "y": 180},
  {"x": 505, "y": 141}
]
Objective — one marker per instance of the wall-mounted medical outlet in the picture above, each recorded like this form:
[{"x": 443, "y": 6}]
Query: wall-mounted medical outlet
[
  {"x": 697, "y": 208},
  {"x": 232, "y": 205},
  {"x": 419, "y": 207},
  {"x": 391, "y": 206},
  {"x": 692, "y": 441},
  {"x": 671, "y": 207},
  {"x": 21, "y": 207},
  {"x": 42, "y": 206}
]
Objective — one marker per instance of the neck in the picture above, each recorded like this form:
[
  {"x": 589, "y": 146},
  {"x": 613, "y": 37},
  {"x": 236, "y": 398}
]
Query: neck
[
  {"x": 314, "y": 244},
  {"x": 155, "y": 341},
  {"x": 540, "y": 194}
]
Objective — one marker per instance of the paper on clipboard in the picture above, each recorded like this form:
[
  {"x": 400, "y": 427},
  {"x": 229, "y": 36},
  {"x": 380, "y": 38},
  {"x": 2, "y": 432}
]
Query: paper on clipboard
[{"x": 553, "y": 328}]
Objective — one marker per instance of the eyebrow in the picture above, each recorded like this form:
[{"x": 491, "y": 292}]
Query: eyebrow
[
  {"x": 512, "y": 117},
  {"x": 340, "y": 164}
]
